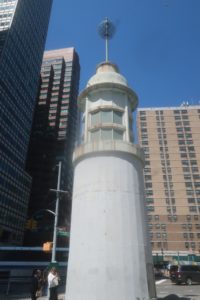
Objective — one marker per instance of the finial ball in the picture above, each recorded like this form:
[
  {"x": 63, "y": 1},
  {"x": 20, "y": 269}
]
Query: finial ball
[{"x": 106, "y": 29}]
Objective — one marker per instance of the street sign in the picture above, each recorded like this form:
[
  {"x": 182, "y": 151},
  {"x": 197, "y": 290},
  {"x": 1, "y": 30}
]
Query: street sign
[{"x": 63, "y": 233}]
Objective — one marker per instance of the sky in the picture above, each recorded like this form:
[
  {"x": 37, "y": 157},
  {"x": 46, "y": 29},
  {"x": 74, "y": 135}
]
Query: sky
[{"x": 156, "y": 45}]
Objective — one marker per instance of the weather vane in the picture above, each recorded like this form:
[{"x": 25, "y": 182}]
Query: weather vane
[{"x": 106, "y": 31}]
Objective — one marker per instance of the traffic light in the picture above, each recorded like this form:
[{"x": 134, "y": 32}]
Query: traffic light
[
  {"x": 47, "y": 247},
  {"x": 34, "y": 224},
  {"x": 28, "y": 224},
  {"x": 31, "y": 224}
]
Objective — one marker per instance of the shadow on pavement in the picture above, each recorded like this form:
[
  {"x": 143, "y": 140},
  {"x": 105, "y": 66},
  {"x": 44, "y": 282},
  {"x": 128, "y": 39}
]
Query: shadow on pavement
[{"x": 173, "y": 297}]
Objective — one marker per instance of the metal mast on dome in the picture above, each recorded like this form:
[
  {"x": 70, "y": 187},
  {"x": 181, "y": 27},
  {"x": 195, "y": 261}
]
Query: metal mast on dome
[{"x": 106, "y": 31}]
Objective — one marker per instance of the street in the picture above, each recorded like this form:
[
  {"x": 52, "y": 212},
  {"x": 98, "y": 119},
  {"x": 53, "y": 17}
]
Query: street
[
  {"x": 165, "y": 291},
  {"x": 170, "y": 291}
]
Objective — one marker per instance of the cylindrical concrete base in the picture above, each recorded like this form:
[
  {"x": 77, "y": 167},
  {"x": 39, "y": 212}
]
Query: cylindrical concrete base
[{"x": 107, "y": 259}]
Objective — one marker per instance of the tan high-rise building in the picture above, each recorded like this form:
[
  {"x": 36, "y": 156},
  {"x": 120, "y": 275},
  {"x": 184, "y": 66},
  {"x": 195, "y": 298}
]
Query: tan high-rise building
[{"x": 170, "y": 137}]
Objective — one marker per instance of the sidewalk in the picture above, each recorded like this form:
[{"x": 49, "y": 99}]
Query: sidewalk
[
  {"x": 21, "y": 292},
  {"x": 27, "y": 297}
]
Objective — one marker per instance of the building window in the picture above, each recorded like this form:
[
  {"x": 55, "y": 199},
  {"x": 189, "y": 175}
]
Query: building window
[
  {"x": 191, "y": 200},
  {"x": 159, "y": 244},
  {"x": 142, "y": 112},
  {"x": 184, "y": 226},
  {"x": 187, "y": 128},
  {"x": 164, "y": 235},
  {"x": 174, "y": 210},
  {"x": 191, "y": 234},
  {"x": 173, "y": 200},
  {"x": 144, "y": 130},
  {"x": 148, "y": 185},
  {"x": 151, "y": 235},
  {"x": 150, "y": 226},
  {"x": 149, "y": 200},
  {"x": 150, "y": 208},
  {"x": 170, "y": 217},
  {"x": 163, "y": 226},
  {"x": 188, "y": 184},
  {"x": 147, "y": 177},
  {"x": 168, "y": 209},
  {"x": 158, "y": 235},
  {"x": 192, "y": 208}
]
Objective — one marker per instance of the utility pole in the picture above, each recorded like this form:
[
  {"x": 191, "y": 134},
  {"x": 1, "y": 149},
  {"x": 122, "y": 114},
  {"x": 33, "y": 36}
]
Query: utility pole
[
  {"x": 53, "y": 256},
  {"x": 57, "y": 191}
]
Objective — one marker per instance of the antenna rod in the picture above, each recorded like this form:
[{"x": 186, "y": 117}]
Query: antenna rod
[
  {"x": 106, "y": 35},
  {"x": 106, "y": 49},
  {"x": 106, "y": 31}
]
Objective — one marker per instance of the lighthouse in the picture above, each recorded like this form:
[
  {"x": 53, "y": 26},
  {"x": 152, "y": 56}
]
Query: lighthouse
[{"x": 109, "y": 255}]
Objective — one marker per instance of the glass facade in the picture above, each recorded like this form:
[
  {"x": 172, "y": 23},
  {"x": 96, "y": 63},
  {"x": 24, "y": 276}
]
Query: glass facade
[
  {"x": 53, "y": 139},
  {"x": 23, "y": 29},
  {"x": 7, "y": 9}
]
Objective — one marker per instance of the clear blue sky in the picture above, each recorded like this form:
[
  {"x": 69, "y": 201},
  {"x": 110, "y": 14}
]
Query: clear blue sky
[{"x": 156, "y": 45}]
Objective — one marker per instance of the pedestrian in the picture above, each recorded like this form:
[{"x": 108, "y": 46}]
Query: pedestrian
[
  {"x": 34, "y": 285},
  {"x": 53, "y": 281},
  {"x": 40, "y": 283},
  {"x": 45, "y": 281}
]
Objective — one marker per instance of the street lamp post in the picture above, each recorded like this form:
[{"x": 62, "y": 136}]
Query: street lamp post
[
  {"x": 58, "y": 191},
  {"x": 53, "y": 256}
]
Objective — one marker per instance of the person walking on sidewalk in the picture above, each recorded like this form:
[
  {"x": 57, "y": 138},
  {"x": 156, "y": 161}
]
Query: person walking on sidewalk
[
  {"x": 53, "y": 281},
  {"x": 34, "y": 285}
]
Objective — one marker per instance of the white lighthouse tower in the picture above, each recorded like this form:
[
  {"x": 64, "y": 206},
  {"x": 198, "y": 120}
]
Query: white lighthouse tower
[{"x": 109, "y": 257}]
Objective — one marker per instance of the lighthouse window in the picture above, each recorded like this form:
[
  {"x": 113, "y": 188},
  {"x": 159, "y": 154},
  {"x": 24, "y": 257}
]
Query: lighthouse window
[
  {"x": 117, "y": 117},
  {"x": 106, "y": 116},
  {"x": 117, "y": 135},
  {"x": 106, "y": 134},
  {"x": 95, "y": 118},
  {"x": 95, "y": 135}
]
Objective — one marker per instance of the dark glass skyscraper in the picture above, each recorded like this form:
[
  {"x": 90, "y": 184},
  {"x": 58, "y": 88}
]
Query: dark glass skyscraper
[
  {"x": 23, "y": 29},
  {"x": 52, "y": 140}
]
